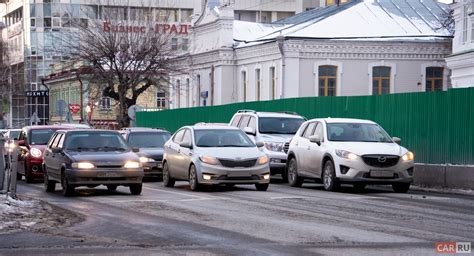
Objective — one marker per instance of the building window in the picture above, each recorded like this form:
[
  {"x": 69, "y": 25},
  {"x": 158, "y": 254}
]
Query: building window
[
  {"x": 198, "y": 85},
  {"x": 434, "y": 79},
  {"x": 187, "y": 92},
  {"x": 244, "y": 85},
  {"x": 185, "y": 44},
  {"x": 465, "y": 17},
  {"x": 161, "y": 100},
  {"x": 380, "y": 80},
  {"x": 272, "y": 83},
  {"x": 257, "y": 83},
  {"x": 174, "y": 43},
  {"x": 327, "y": 80},
  {"x": 105, "y": 103},
  {"x": 33, "y": 22}
]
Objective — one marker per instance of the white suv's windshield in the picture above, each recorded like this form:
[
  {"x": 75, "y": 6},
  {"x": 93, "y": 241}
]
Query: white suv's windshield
[
  {"x": 222, "y": 138},
  {"x": 279, "y": 125},
  {"x": 357, "y": 132}
]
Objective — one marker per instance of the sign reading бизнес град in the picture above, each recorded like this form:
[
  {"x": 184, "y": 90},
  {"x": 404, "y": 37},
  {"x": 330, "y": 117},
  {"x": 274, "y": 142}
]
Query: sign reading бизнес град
[{"x": 164, "y": 28}]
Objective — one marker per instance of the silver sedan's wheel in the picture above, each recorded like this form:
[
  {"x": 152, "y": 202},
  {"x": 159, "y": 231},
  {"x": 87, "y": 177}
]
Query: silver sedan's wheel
[
  {"x": 293, "y": 179},
  {"x": 193, "y": 179},
  {"x": 329, "y": 177},
  {"x": 167, "y": 180}
]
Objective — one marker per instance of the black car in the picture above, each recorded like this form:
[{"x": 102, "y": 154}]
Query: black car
[
  {"x": 150, "y": 143},
  {"x": 91, "y": 158}
]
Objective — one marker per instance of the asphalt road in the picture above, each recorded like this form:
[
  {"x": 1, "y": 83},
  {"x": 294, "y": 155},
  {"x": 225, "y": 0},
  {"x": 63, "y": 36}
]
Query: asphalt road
[{"x": 242, "y": 221}]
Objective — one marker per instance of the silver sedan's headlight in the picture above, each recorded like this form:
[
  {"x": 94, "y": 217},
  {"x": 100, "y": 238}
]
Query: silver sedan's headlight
[
  {"x": 346, "y": 154},
  {"x": 274, "y": 146},
  {"x": 409, "y": 156}
]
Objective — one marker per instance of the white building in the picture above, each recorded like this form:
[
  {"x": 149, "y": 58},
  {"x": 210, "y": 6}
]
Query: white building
[
  {"x": 461, "y": 61},
  {"x": 31, "y": 26},
  {"x": 359, "y": 48}
]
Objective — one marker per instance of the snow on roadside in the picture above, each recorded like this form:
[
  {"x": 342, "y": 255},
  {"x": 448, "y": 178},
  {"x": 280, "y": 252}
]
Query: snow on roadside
[{"x": 22, "y": 214}]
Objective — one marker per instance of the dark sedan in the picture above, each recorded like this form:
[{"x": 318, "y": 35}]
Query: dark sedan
[
  {"x": 150, "y": 142},
  {"x": 91, "y": 158}
]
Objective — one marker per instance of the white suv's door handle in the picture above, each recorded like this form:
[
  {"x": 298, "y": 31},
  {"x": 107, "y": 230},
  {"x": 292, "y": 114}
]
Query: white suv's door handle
[{"x": 309, "y": 148}]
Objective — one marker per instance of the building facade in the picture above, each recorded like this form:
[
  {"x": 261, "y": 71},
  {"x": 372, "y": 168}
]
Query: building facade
[
  {"x": 33, "y": 25},
  {"x": 380, "y": 50},
  {"x": 461, "y": 61}
]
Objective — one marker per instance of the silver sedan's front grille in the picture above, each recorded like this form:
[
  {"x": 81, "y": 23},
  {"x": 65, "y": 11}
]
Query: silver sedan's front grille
[{"x": 238, "y": 163}]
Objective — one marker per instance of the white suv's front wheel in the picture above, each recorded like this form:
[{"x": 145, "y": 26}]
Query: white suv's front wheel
[
  {"x": 293, "y": 179},
  {"x": 329, "y": 177}
]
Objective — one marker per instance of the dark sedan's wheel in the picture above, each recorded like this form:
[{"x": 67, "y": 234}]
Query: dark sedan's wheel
[
  {"x": 167, "y": 180},
  {"x": 262, "y": 187},
  {"x": 111, "y": 187},
  {"x": 193, "y": 179},
  {"x": 401, "y": 187},
  {"x": 68, "y": 189},
  {"x": 18, "y": 176},
  {"x": 293, "y": 179},
  {"x": 28, "y": 177},
  {"x": 329, "y": 177},
  {"x": 359, "y": 186},
  {"x": 136, "y": 189},
  {"x": 49, "y": 185}
]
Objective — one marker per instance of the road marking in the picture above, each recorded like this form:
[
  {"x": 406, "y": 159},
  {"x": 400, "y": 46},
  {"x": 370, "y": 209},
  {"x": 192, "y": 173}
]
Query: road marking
[
  {"x": 176, "y": 193},
  {"x": 288, "y": 197}
]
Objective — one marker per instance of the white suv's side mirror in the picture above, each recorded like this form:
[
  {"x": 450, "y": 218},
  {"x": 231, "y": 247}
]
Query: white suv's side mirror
[
  {"x": 315, "y": 139},
  {"x": 396, "y": 140},
  {"x": 249, "y": 130}
]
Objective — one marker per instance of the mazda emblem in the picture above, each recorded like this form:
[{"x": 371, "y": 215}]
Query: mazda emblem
[{"x": 382, "y": 159}]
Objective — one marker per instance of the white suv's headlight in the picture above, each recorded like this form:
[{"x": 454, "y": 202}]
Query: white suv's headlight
[
  {"x": 346, "y": 154},
  {"x": 34, "y": 152},
  {"x": 409, "y": 156},
  {"x": 274, "y": 146}
]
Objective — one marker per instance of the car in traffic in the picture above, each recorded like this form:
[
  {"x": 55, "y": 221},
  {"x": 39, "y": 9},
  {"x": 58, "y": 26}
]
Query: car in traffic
[
  {"x": 32, "y": 142},
  {"x": 12, "y": 134},
  {"x": 150, "y": 143},
  {"x": 91, "y": 158},
  {"x": 273, "y": 129},
  {"x": 214, "y": 155},
  {"x": 352, "y": 151}
]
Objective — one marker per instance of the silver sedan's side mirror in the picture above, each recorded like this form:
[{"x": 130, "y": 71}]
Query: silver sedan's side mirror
[
  {"x": 260, "y": 144},
  {"x": 396, "y": 140},
  {"x": 315, "y": 139}
]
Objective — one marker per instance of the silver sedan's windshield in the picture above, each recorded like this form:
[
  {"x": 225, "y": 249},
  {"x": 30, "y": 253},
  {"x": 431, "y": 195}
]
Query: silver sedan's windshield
[
  {"x": 222, "y": 138},
  {"x": 94, "y": 141},
  {"x": 357, "y": 132}
]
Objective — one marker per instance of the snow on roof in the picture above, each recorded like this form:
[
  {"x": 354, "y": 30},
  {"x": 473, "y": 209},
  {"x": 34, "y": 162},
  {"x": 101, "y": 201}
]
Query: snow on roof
[{"x": 363, "y": 19}]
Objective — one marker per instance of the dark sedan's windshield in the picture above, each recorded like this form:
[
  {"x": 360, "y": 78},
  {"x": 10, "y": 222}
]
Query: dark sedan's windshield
[
  {"x": 95, "y": 141},
  {"x": 14, "y": 134},
  {"x": 279, "y": 125},
  {"x": 222, "y": 138},
  {"x": 357, "y": 132},
  {"x": 41, "y": 137},
  {"x": 148, "y": 139}
]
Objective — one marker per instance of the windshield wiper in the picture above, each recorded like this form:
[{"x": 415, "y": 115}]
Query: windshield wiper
[
  {"x": 236, "y": 146},
  {"x": 112, "y": 148},
  {"x": 79, "y": 149}
]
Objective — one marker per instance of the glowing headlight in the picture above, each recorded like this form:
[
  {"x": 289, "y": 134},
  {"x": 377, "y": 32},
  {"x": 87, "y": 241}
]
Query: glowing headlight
[
  {"x": 262, "y": 160},
  {"x": 82, "y": 165},
  {"x": 34, "y": 152},
  {"x": 266, "y": 176},
  {"x": 409, "y": 156},
  {"x": 144, "y": 159},
  {"x": 209, "y": 160},
  {"x": 346, "y": 154},
  {"x": 131, "y": 164},
  {"x": 206, "y": 176},
  {"x": 274, "y": 146}
]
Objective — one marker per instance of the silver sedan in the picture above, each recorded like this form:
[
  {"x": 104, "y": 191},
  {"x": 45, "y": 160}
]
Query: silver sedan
[{"x": 213, "y": 155}]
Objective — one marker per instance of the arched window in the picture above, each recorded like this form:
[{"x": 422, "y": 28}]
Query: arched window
[
  {"x": 327, "y": 80},
  {"x": 380, "y": 80}
]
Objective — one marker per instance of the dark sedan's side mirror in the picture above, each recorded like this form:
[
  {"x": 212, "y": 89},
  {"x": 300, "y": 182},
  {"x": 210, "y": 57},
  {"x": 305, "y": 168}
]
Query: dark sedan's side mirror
[
  {"x": 397, "y": 140},
  {"x": 259, "y": 144},
  {"x": 21, "y": 143},
  {"x": 186, "y": 144},
  {"x": 315, "y": 139},
  {"x": 136, "y": 150},
  {"x": 56, "y": 150}
]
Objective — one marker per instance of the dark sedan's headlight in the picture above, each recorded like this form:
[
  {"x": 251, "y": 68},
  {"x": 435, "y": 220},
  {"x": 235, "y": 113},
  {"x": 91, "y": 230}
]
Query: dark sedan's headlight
[
  {"x": 144, "y": 159},
  {"x": 82, "y": 165}
]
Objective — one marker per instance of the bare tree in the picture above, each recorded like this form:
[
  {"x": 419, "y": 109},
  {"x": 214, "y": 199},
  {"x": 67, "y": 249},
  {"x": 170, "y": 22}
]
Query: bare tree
[
  {"x": 5, "y": 87},
  {"x": 447, "y": 21},
  {"x": 127, "y": 54}
]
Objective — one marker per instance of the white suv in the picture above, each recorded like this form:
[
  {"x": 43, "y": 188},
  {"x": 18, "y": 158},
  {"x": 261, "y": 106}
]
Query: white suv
[
  {"x": 274, "y": 129},
  {"x": 352, "y": 151}
]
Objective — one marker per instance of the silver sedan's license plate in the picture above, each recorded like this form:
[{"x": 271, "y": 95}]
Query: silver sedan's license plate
[
  {"x": 108, "y": 174},
  {"x": 239, "y": 174},
  {"x": 381, "y": 173}
]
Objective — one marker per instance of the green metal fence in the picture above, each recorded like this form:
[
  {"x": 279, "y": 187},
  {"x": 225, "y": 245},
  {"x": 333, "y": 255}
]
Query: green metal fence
[{"x": 437, "y": 126}]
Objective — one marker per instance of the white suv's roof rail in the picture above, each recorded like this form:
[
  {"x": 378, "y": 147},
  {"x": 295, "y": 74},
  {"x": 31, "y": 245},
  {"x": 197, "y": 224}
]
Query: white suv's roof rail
[{"x": 247, "y": 111}]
